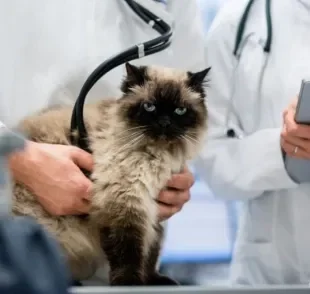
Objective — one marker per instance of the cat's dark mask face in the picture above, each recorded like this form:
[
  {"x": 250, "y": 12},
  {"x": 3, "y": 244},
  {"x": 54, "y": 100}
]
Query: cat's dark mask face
[{"x": 165, "y": 105}]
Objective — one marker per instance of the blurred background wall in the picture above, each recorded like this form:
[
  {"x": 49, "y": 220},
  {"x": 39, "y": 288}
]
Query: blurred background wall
[{"x": 199, "y": 240}]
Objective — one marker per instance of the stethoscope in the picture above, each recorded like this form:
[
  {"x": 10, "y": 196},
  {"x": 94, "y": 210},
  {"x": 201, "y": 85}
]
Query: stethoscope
[
  {"x": 231, "y": 133},
  {"x": 158, "y": 44}
]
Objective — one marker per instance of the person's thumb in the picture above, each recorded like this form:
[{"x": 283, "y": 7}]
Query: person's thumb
[
  {"x": 82, "y": 158},
  {"x": 294, "y": 103}
]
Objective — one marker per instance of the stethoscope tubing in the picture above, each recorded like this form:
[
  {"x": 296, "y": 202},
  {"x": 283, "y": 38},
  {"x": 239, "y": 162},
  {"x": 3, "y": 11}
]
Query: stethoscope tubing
[
  {"x": 135, "y": 52},
  {"x": 230, "y": 132}
]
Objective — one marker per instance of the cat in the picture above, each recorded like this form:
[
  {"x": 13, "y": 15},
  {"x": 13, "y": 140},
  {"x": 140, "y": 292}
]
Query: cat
[{"x": 138, "y": 141}]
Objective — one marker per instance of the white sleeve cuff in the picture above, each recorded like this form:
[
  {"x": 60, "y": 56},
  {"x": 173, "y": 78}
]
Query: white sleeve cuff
[{"x": 275, "y": 171}]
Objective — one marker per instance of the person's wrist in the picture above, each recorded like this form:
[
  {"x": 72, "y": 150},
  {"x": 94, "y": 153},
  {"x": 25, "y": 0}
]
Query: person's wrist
[{"x": 20, "y": 163}]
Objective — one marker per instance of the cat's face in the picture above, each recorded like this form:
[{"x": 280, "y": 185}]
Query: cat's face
[{"x": 164, "y": 105}]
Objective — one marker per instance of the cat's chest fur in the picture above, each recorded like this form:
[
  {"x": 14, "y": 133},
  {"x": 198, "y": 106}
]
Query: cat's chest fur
[{"x": 148, "y": 167}]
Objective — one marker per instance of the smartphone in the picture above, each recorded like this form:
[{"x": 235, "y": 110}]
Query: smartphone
[
  {"x": 302, "y": 115},
  {"x": 298, "y": 168}
]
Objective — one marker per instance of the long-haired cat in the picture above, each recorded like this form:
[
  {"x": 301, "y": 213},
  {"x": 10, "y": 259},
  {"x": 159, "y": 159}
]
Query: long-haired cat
[{"x": 137, "y": 142}]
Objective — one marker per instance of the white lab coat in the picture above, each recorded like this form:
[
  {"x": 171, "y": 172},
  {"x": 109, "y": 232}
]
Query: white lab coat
[
  {"x": 49, "y": 47},
  {"x": 273, "y": 240}
]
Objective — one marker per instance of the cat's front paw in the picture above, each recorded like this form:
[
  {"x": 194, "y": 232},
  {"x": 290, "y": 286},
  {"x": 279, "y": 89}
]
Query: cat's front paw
[
  {"x": 160, "y": 280},
  {"x": 126, "y": 280}
]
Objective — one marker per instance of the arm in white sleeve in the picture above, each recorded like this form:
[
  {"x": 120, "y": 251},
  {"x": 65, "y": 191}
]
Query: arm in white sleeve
[
  {"x": 237, "y": 169},
  {"x": 188, "y": 34}
]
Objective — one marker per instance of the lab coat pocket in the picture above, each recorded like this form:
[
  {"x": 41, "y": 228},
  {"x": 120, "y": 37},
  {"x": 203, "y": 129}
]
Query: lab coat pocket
[
  {"x": 256, "y": 263},
  {"x": 247, "y": 81},
  {"x": 260, "y": 219}
]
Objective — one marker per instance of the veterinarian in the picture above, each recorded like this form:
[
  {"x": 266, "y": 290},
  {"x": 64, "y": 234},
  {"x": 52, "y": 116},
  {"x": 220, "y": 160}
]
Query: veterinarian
[
  {"x": 48, "y": 49},
  {"x": 251, "y": 128}
]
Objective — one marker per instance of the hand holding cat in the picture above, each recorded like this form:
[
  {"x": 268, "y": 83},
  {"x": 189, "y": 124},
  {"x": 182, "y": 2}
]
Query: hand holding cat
[
  {"x": 172, "y": 199},
  {"x": 52, "y": 173},
  {"x": 294, "y": 137}
]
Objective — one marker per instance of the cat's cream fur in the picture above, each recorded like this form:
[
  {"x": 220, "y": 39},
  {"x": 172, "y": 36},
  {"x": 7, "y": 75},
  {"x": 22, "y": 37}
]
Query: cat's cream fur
[{"x": 130, "y": 171}]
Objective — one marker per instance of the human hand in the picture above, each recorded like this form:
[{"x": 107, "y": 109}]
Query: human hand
[
  {"x": 172, "y": 199},
  {"x": 52, "y": 173},
  {"x": 294, "y": 137}
]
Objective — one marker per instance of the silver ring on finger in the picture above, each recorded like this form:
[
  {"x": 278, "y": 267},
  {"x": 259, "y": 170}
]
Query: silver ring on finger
[{"x": 296, "y": 150}]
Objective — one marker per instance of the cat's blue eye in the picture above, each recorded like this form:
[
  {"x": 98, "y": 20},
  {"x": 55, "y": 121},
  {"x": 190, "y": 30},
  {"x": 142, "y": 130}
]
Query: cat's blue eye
[
  {"x": 149, "y": 107},
  {"x": 180, "y": 110}
]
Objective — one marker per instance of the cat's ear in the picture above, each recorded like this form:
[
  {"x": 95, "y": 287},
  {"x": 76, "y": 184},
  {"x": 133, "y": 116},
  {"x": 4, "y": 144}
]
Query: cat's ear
[
  {"x": 197, "y": 80},
  {"x": 136, "y": 76},
  {"x": 134, "y": 72}
]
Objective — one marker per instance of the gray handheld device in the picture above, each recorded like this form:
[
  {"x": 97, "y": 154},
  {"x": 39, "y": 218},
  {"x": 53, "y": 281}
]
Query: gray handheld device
[
  {"x": 302, "y": 115},
  {"x": 299, "y": 169}
]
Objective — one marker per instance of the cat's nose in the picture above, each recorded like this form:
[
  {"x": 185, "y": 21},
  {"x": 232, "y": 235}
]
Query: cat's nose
[{"x": 164, "y": 122}]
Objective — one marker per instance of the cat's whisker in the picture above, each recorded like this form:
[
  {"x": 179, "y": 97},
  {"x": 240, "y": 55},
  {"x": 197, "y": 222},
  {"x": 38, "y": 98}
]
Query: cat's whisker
[
  {"x": 131, "y": 142},
  {"x": 128, "y": 136},
  {"x": 139, "y": 139},
  {"x": 191, "y": 138},
  {"x": 187, "y": 140},
  {"x": 130, "y": 129},
  {"x": 131, "y": 134},
  {"x": 191, "y": 133}
]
